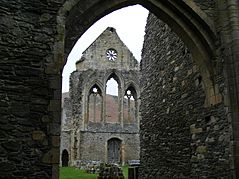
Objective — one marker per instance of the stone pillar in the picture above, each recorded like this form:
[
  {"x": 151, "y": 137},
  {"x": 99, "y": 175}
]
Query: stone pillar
[
  {"x": 104, "y": 106},
  {"x": 228, "y": 18},
  {"x": 234, "y": 82},
  {"x": 121, "y": 105}
]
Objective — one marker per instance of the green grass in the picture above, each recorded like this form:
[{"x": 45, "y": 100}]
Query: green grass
[{"x": 74, "y": 173}]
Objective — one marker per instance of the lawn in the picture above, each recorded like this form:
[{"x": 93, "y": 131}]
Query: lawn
[{"x": 74, "y": 173}]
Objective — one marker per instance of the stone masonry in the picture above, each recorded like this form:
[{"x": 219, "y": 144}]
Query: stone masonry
[
  {"x": 187, "y": 135},
  {"x": 84, "y": 137},
  {"x": 35, "y": 40}
]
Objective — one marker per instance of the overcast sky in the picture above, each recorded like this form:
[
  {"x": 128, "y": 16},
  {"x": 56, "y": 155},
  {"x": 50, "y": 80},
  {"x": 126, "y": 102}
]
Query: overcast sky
[{"x": 129, "y": 23}]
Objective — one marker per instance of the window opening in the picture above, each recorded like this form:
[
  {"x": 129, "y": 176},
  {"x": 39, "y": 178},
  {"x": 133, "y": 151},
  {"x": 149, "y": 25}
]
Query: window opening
[
  {"x": 112, "y": 101},
  {"x": 95, "y": 105},
  {"x": 129, "y": 106}
]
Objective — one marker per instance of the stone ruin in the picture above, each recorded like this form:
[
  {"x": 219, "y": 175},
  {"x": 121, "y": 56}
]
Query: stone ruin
[{"x": 97, "y": 126}]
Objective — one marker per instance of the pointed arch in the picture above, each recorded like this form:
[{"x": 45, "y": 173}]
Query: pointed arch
[
  {"x": 113, "y": 74},
  {"x": 130, "y": 112},
  {"x": 94, "y": 104},
  {"x": 185, "y": 18},
  {"x": 112, "y": 102},
  {"x": 135, "y": 89},
  {"x": 94, "y": 83}
]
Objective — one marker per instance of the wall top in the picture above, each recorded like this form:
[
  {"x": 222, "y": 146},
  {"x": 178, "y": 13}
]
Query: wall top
[{"x": 107, "y": 52}]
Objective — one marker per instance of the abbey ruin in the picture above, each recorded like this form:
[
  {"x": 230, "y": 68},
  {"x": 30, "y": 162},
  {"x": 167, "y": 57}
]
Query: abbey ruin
[
  {"x": 189, "y": 99},
  {"x": 97, "y": 126}
]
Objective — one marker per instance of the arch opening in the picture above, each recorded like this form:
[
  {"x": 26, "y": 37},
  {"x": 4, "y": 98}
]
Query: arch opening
[
  {"x": 185, "y": 18},
  {"x": 201, "y": 54},
  {"x": 94, "y": 106},
  {"x": 112, "y": 99},
  {"x": 130, "y": 105}
]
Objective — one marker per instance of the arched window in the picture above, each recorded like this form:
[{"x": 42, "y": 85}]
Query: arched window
[
  {"x": 95, "y": 104},
  {"x": 130, "y": 97},
  {"x": 112, "y": 100}
]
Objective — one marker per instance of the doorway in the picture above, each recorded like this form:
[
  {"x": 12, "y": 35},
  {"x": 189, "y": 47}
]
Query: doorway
[
  {"x": 65, "y": 158},
  {"x": 114, "y": 151}
]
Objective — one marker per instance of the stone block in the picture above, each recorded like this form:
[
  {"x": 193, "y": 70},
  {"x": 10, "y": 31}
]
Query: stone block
[
  {"x": 12, "y": 145},
  {"x": 55, "y": 152},
  {"x": 54, "y": 105},
  {"x": 55, "y": 141},
  {"x": 46, "y": 119},
  {"x": 55, "y": 171},
  {"x": 195, "y": 130},
  {"x": 201, "y": 149},
  {"x": 38, "y": 135}
]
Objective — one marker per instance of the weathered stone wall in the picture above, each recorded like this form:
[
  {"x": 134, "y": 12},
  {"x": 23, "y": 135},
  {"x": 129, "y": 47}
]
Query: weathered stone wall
[
  {"x": 27, "y": 37},
  {"x": 88, "y": 137},
  {"x": 31, "y": 59},
  {"x": 82, "y": 81},
  {"x": 208, "y": 6},
  {"x": 94, "y": 57},
  {"x": 180, "y": 138},
  {"x": 94, "y": 145},
  {"x": 87, "y": 132},
  {"x": 66, "y": 114}
]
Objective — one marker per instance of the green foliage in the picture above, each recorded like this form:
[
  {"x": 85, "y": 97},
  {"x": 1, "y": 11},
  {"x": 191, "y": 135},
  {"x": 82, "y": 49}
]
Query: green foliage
[{"x": 74, "y": 173}]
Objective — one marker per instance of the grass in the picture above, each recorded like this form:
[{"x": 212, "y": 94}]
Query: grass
[{"x": 74, "y": 173}]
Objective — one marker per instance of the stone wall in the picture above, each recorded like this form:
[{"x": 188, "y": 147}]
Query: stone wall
[
  {"x": 32, "y": 55},
  {"x": 87, "y": 132},
  {"x": 208, "y": 6},
  {"x": 89, "y": 136},
  {"x": 94, "y": 145},
  {"x": 82, "y": 81},
  {"x": 66, "y": 114},
  {"x": 27, "y": 37},
  {"x": 180, "y": 137}
]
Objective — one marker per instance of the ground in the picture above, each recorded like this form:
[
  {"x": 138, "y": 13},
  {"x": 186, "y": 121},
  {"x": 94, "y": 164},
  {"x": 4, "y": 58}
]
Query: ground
[{"x": 74, "y": 173}]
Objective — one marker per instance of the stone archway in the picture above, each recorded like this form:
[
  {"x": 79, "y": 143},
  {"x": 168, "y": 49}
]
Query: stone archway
[
  {"x": 189, "y": 22},
  {"x": 34, "y": 46},
  {"x": 186, "y": 19}
]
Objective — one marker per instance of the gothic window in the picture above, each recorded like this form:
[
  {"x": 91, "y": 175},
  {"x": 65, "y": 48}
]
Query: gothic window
[
  {"x": 95, "y": 104},
  {"x": 112, "y": 101},
  {"x": 130, "y": 105}
]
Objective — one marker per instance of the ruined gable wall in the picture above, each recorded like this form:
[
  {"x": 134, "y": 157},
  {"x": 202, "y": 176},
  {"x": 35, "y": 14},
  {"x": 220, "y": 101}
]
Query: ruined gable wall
[
  {"x": 92, "y": 137},
  {"x": 180, "y": 138},
  {"x": 94, "y": 57}
]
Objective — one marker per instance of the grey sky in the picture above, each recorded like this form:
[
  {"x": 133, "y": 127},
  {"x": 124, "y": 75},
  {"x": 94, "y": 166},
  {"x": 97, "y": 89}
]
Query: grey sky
[{"x": 129, "y": 23}]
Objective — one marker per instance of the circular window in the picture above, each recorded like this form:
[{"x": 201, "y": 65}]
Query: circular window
[{"x": 111, "y": 54}]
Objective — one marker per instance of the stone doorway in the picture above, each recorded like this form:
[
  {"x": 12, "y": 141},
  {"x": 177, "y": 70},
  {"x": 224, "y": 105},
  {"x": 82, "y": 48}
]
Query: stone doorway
[
  {"x": 65, "y": 158},
  {"x": 114, "y": 150}
]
